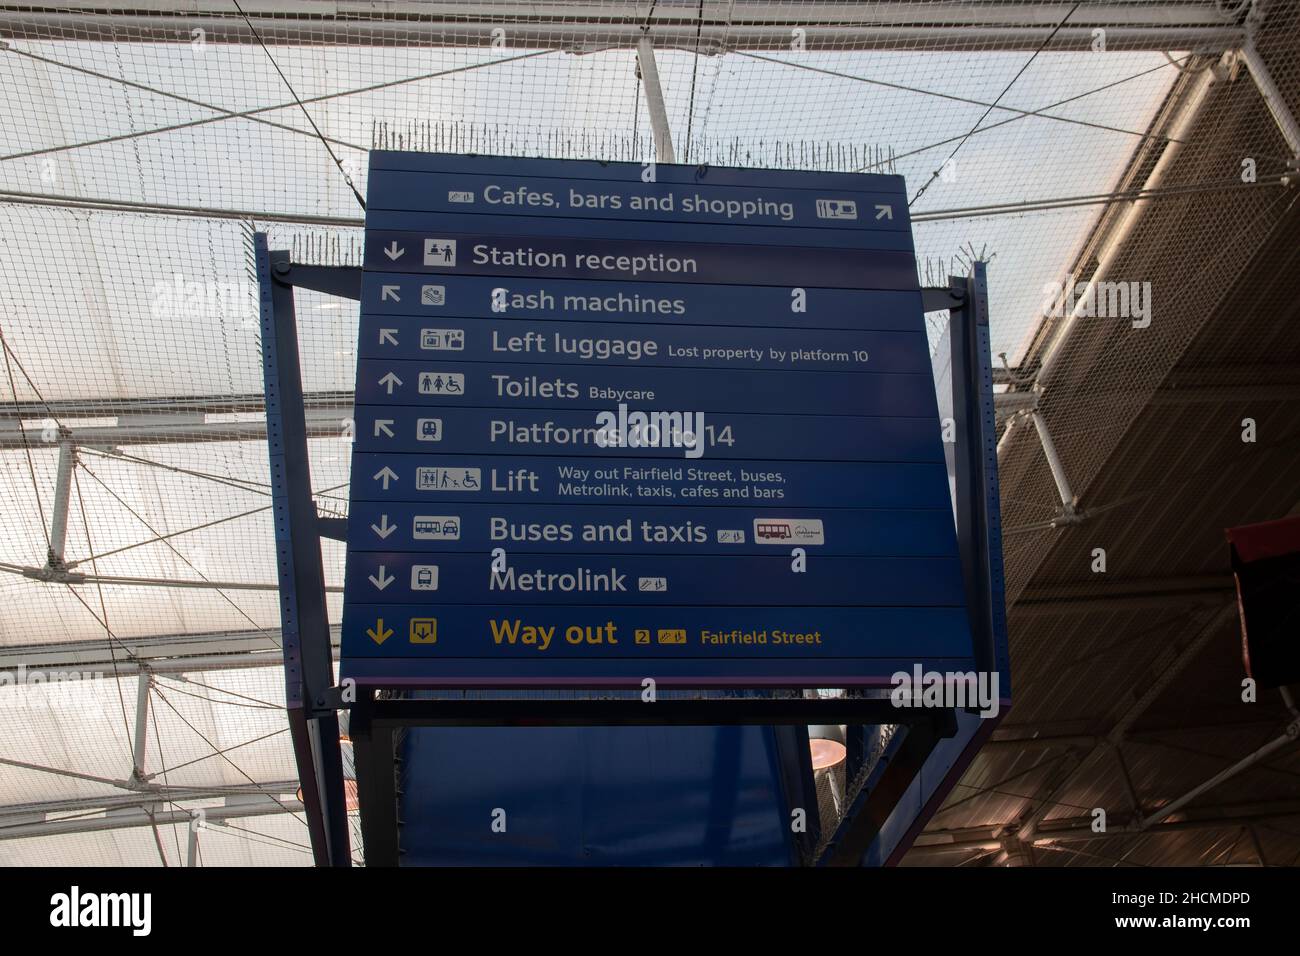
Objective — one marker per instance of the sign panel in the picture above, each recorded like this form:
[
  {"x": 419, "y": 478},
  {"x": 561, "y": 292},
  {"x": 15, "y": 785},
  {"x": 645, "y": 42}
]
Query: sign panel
[{"x": 617, "y": 422}]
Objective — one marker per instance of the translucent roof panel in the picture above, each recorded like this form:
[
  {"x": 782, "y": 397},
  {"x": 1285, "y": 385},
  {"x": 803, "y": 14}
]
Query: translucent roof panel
[{"x": 1065, "y": 128}]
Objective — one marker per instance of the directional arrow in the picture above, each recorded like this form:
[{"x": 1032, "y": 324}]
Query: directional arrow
[
  {"x": 383, "y": 580},
  {"x": 383, "y": 529},
  {"x": 388, "y": 335},
  {"x": 389, "y": 292},
  {"x": 884, "y": 211},
  {"x": 385, "y": 475},
  {"x": 381, "y": 425},
  {"x": 379, "y": 633},
  {"x": 394, "y": 251},
  {"x": 390, "y": 380}
]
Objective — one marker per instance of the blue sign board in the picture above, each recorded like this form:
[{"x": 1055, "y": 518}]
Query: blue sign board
[{"x": 618, "y": 422}]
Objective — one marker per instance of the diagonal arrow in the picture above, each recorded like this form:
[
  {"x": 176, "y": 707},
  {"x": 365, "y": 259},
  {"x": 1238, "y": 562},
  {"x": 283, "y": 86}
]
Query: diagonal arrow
[
  {"x": 389, "y": 292},
  {"x": 388, "y": 335},
  {"x": 385, "y": 475},
  {"x": 884, "y": 211},
  {"x": 379, "y": 633},
  {"x": 381, "y": 425},
  {"x": 383, "y": 529},
  {"x": 393, "y": 251},
  {"x": 390, "y": 380},
  {"x": 383, "y": 580}
]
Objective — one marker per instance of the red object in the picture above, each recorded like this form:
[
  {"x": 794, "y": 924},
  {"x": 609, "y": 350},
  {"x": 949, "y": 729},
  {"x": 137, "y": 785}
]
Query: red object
[
  {"x": 1268, "y": 539},
  {"x": 1266, "y": 567}
]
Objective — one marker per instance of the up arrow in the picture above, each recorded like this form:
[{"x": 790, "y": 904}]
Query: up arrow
[
  {"x": 394, "y": 251},
  {"x": 381, "y": 425},
  {"x": 884, "y": 211},
  {"x": 388, "y": 335},
  {"x": 383, "y": 529},
  {"x": 390, "y": 292},
  {"x": 385, "y": 475},
  {"x": 379, "y": 633},
  {"x": 390, "y": 380},
  {"x": 383, "y": 580}
]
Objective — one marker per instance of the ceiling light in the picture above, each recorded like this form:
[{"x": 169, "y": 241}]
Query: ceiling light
[{"x": 827, "y": 744}]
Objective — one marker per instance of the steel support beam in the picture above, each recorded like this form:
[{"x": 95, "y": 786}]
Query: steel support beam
[
  {"x": 146, "y": 810},
  {"x": 374, "y": 753},
  {"x": 966, "y": 394},
  {"x": 140, "y": 749},
  {"x": 192, "y": 847},
  {"x": 154, "y": 421},
  {"x": 889, "y": 781},
  {"x": 309, "y": 671},
  {"x": 978, "y": 498},
  {"x": 167, "y": 428},
  {"x": 1119, "y": 223},
  {"x": 1273, "y": 99},
  {"x": 630, "y": 711},
  {"x": 1053, "y": 735},
  {"x": 55, "y": 576},
  {"x": 588, "y": 25},
  {"x": 654, "y": 101},
  {"x": 1069, "y": 512},
  {"x": 1168, "y": 665},
  {"x": 136, "y": 408},
  {"x": 1176, "y": 396},
  {"x": 1288, "y": 738},
  {"x": 62, "y": 496},
  {"x": 1120, "y": 594},
  {"x": 1110, "y": 238},
  {"x": 160, "y": 654},
  {"x": 1058, "y": 779},
  {"x": 940, "y": 845}
]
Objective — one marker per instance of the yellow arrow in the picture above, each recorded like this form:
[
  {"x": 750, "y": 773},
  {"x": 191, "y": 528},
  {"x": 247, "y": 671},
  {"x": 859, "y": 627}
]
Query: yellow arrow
[{"x": 379, "y": 633}]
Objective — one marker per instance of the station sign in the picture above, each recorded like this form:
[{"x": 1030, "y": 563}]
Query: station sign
[{"x": 618, "y": 421}]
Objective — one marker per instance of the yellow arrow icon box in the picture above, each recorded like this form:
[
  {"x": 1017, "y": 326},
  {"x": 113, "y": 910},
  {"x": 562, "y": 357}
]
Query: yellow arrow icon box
[{"x": 424, "y": 630}]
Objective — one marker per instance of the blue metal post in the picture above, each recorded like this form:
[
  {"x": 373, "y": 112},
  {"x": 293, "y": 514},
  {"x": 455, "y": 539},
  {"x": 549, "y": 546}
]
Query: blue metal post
[
  {"x": 308, "y": 663},
  {"x": 979, "y": 538}
]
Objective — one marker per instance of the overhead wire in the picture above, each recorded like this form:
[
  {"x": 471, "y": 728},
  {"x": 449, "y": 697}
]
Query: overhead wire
[{"x": 1041, "y": 47}]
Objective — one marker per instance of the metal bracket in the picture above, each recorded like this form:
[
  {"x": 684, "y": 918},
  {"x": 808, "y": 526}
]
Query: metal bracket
[
  {"x": 336, "y": 529},
  {"x": 342, "y": 281},
  {"x": 335, "y": 698},
  {"x": 942, "y": 298}
]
